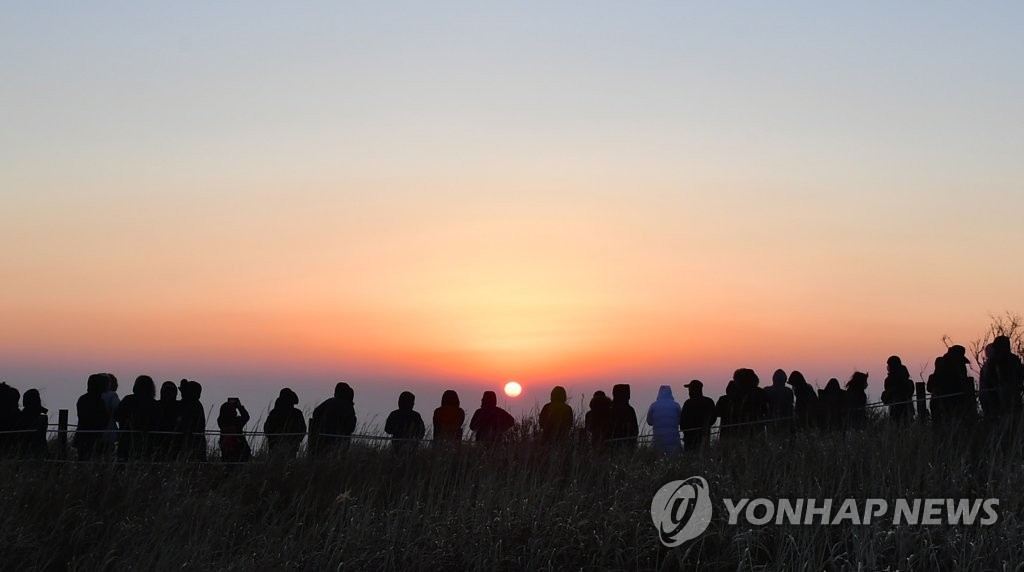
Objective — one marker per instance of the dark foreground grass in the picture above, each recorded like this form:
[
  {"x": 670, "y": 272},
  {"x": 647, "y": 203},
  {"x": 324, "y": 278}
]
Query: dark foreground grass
[{"x": 515, "y": 508}]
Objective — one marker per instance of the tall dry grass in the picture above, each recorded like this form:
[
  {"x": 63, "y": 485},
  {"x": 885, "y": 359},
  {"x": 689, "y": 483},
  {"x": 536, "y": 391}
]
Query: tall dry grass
[{"x": 520, "y": 506}]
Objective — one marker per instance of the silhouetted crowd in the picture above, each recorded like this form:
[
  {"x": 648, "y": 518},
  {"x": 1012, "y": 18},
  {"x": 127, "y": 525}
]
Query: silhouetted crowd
[{"x": 172, "y": 425}]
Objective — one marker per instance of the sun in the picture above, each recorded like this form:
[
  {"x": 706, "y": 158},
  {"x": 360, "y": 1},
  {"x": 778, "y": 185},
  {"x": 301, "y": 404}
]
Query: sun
[{"x": 513, "y": 389}]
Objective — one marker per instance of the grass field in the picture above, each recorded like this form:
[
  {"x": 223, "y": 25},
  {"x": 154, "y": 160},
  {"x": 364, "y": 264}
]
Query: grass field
[{"x": 520, "y": 506}]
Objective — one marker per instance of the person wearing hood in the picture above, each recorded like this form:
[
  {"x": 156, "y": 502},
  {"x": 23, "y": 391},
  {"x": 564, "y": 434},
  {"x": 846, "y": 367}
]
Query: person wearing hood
[
  {"x": 449, "y": 418},
  {"x": 598, "y": 421},
  {"x": 167, "y": 409},
  {"x": 663, "y": 417},
  {"x": 333, "y": 421},
  {"x": 405, "y": 424},
  {"x": 285, "y": 426},
  {"x": 833, "y": 405},
  {"x": 1001, "y": 381},
  {"x": 92, "y": 417},
  {"x": 490, "y": 422},
  {"x": 35, "y": 420},
  {"x": 898, "y": 390},
  {"x": 805, "y": 407},
  {"x": 192, "y": 421},
  {"x": 234, "y": 448},
  {"x": 952, "y": 390},
  {"x": 696, "y": 417},
  {"x": 624, "y": 425},
  {"x": 780, "y": 402},
  {"x": 751, "y": 402},
  {"x": 136, "y": 416},
  {"x": 857, "y": 400},
  {"x": 556, "y": 418}
]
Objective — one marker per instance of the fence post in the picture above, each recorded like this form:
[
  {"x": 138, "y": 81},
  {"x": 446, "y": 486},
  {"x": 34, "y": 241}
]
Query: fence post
[
  {"x": 62, "y": 434},
  {"x": 922, "y": 406}
]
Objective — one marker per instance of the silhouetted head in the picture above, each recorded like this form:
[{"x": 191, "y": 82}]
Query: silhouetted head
[
  {"x": 958, "y": 354},
  {"x": 858, "y": 381},
  {"x": 894, "y": 362},
  {"x": 449, "y": 398},
  {"x": 32, "y": 401},
  {"x": 832, "y": 385},
  {"x": 406, "y": 400},
  {"x": 730, "y": 388},
  {"x": 558, "y": 395},
  {"x": 990, "y": 350},
  {"x": 600, "y": 401},
  {"x": 796, "y": 379},
  {"x": 779, "y": 378},
  {"x": 746, "y": 379},
  {"x": 696, "y": 388},
  {"x": 191, "y": 390},
  {"x": 1001, "y": 344},
  {"x": 168, "y": 391},
  {"x": 343, "y": 392},
  {"x": 111, "y": 382},
  {"x": 144, "y": 387},
  {"x": 288, "y": 397},
  {"x": 620, "y": 393},
  {"x": 97, "y": 384},
  {"x": 228, "y": 412},
  {"x": 490, "y": 399},
  {"x": 665, "y": 393}
]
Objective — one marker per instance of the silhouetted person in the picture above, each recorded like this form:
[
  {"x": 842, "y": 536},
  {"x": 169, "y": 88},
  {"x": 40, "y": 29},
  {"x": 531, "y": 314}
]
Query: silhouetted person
[
  {"x": 857, "y": 400},
  {"x": 136, "y": 416},
  {"x": 192, "y": 421},
  {"x": 449, "y": 418},
  {"x": 166, "y": 445},
  {"x": 952, "y": 390},
  {"x": 780, "y": 402},
  {"x": 490, "y": 421},
  {"x": 234, "y": 447},
  {"x": 805, "y": 407},
  {"x": 333, "y": 422},
  {"x": 696, "y": 417},
  {"x": 625, "y": 427},
  {"x": 598, "y": 420},
  {"x": 112, "y": 401},
  {"x": 832, "y": 400},
  {"x": 752, "y": 404},
  {"x": 663, "y": 417},
  {"x": 92, "y": 417},
  {"x": 556, "y": 417},
  {"x": 405, "y": 425},
  {"x": 285, "y": 426},
  {"x": 727, "y": 409},
  {"x": 9, "y": 419},
  {"x": 898, "y": 391},
  {"x": 33, "y": 419},
  {"x": 1002, "y": 378}
]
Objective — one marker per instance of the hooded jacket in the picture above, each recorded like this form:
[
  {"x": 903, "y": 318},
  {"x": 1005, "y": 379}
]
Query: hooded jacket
[
  {"x": 625, "y": 427},
  {"x": 490, "y": 421},
  {"x": 556, "y": 417},
  {"x": 663, "y": 417},
  {"x": 449, "y": 418}
]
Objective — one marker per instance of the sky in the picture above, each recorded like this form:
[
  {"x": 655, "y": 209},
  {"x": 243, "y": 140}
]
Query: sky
[{"x": 433, "y": 195}]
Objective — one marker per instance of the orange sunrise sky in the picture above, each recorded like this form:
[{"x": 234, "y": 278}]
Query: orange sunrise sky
[{"x": 456, "y": 197}]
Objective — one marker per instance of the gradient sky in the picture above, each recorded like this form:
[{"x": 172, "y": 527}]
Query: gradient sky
[{"x": 432, "y": 194}]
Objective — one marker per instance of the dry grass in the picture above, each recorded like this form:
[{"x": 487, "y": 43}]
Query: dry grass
[{"x": 517, "y": 507}]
